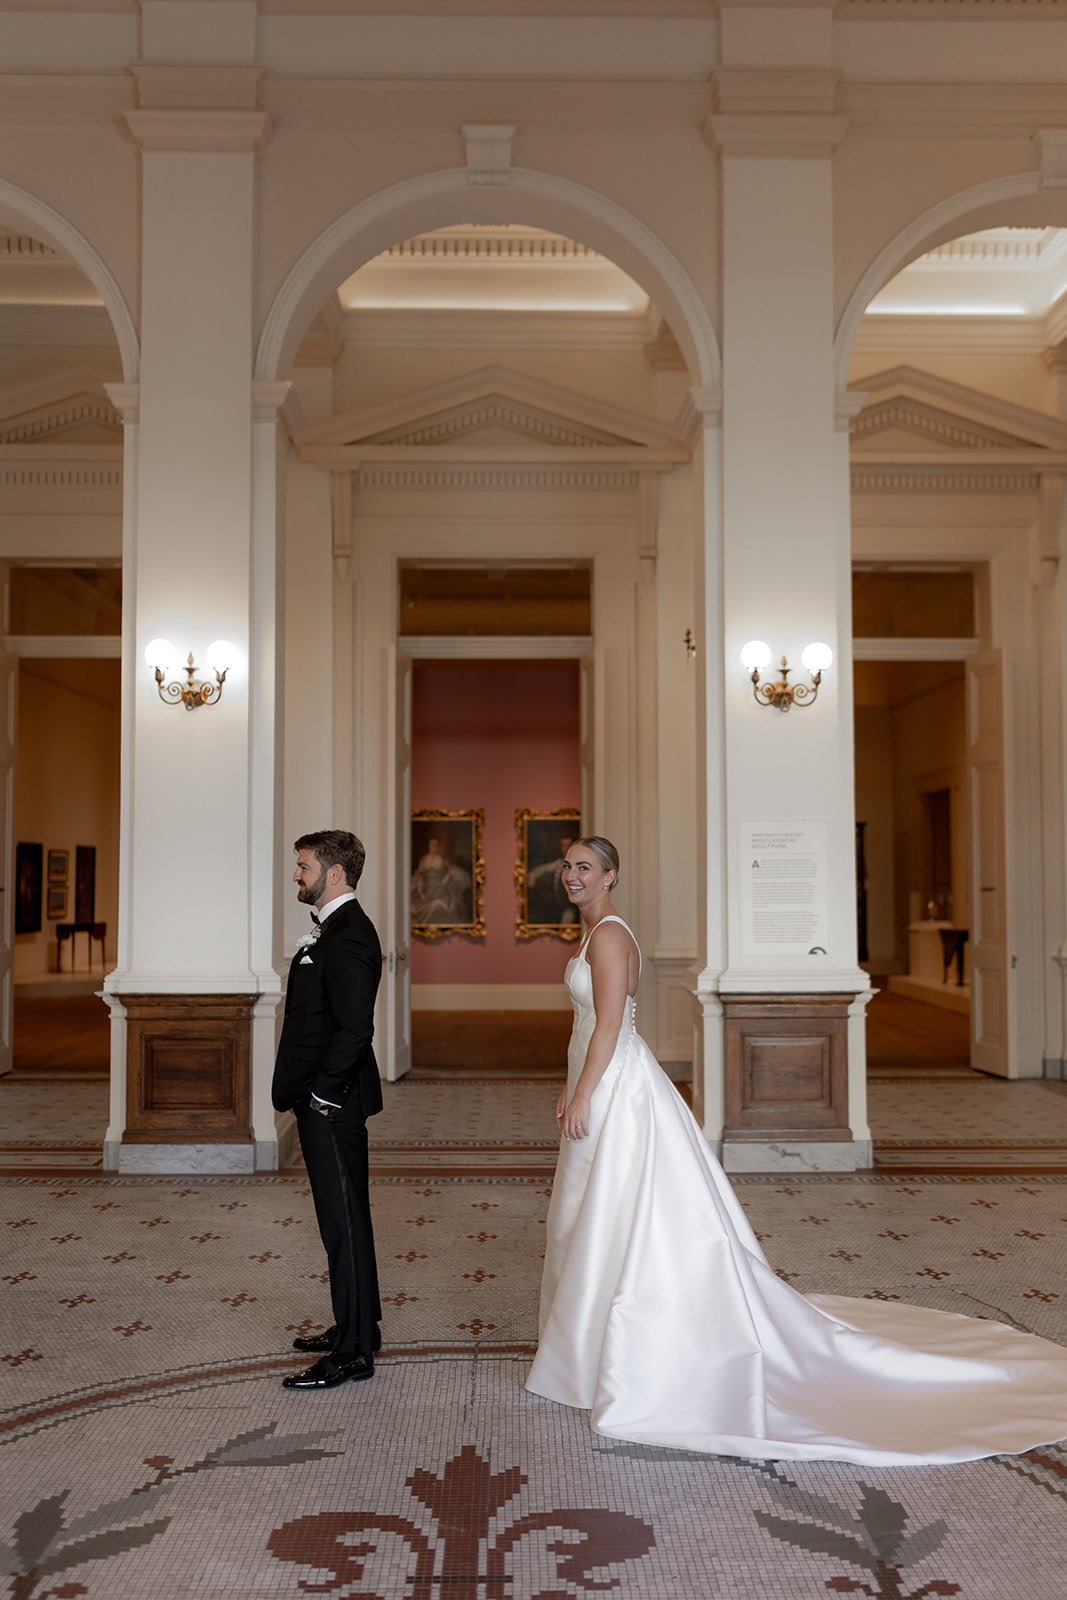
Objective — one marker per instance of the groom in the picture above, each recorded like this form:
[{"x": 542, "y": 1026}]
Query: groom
[{"x": 327, "y": 1074}]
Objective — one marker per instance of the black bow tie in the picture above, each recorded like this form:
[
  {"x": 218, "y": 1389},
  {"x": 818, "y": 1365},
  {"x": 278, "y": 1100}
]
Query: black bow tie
[{"x": 315, "y": 918}]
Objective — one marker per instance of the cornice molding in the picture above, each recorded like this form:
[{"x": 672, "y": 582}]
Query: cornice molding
[
  {"x": 900, "y": 479},
  {"x": 775, "y": 136},
  {"x": 57, "y": 466},
  {"x": 760, "y": 91},
  {"x": 494, "y": 330},
  {"x": 986, "y": 415},
  {"x": 954, "y": 110},
  {"x": 63, "y": 99},
  {"x": 429, "y": 424},
  {"x": 949, "y": 10},
  {"x": 502, "y": 477},
  {"x": 200, "y": 132},
  {"x": 36, "y": 409},
  {"x": 197, "y": 85}
]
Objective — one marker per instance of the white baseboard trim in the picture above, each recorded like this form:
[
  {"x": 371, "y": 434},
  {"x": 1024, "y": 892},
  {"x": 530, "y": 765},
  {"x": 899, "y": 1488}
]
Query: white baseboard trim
[{"x": 489, "y": 997}]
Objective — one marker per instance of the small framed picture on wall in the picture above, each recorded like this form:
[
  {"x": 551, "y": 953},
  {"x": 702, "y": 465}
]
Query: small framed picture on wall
[
  {"x": 58, "y": 866},
  {"x": 57, "y": 901},
  {"x": 447, "y": 873},
  {"x": 543, "y": 839}
]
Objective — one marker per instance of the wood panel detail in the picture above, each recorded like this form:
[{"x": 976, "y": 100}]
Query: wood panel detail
[
  {"x": 188, "y": 1068},
  {"x": 786, "y": 1066}
]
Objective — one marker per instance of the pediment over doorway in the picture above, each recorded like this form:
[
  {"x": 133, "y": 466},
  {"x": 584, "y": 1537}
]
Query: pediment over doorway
[
  {"x": 68, "y": 406},
  {"x": 493, "y": 414},
  {"x": 910, "y": 413}
]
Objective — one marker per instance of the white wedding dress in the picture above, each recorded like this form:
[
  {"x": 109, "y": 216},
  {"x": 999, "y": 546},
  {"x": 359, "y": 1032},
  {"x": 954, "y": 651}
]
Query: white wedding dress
[{"x": 660, "y": 1314}]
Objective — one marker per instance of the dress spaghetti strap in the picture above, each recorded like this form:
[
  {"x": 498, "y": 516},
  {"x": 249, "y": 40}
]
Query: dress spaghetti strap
[{"x": 630, "y": 931}]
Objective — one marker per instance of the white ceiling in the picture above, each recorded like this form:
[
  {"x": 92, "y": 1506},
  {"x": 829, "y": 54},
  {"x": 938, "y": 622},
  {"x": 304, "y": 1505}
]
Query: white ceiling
[
  {"x": 491, "y": 268},
  {"x": 1001, "y": 272}
]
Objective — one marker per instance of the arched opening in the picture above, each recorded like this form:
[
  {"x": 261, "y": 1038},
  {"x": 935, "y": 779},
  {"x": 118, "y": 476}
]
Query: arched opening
[
  {"x": 957, "y": 448},
  {"x": 65, "y": 335},
  {"x": 540, "y": 345}
]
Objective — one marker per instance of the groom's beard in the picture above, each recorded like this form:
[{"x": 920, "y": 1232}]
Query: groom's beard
[{"x": 308, "y": 893}]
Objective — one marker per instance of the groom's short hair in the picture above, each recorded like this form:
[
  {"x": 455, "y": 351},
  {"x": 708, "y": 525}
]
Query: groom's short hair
[{"x": 333, "y": 847}]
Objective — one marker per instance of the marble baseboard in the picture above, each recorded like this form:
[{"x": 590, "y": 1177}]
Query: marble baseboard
[
  {"x": 167, "y": 1158},
  {"x": 797, "y": 1156}
]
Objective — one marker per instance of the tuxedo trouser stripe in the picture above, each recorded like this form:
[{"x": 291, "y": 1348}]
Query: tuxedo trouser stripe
[{"x": 350, "y": 1228}]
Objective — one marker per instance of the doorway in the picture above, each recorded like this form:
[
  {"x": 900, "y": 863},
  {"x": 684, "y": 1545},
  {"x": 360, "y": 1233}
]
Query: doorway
[{"x": 500, "y": 739}]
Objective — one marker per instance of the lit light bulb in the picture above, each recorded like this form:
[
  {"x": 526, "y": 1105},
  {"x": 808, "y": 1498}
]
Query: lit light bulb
[
  {"x": 755, "y": 655},
  {"x": 817, "y": 657},
  {"x": 161, "y": 654},
  {"x": 221, "y": 656}
]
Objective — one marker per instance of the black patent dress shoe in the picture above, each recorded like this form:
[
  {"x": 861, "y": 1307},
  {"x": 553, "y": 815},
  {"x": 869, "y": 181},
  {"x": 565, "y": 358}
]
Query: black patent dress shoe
[
  {"x": 316, "y": 1343},
  {"x": 328, "y": 1372}
]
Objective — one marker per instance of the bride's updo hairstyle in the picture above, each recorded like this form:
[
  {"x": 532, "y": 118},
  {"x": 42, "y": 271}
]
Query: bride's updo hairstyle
[{"x": 605, "y": 853}]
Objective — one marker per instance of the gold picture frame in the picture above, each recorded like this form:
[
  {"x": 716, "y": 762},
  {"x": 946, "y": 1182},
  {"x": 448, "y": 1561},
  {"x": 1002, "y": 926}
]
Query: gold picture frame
[
  {"x": 542, "y": 839},
  {"x": 447, "y": 873}
]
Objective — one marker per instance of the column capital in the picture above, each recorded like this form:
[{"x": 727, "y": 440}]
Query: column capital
[
  {"x": 126, "y": 398},
  {"x": 793, "y": 136},
  {"x": 268, "y": 397},
  {"x": 848, "y": 403},
  {"x": 199, "y": 132},
  {"x": 701, "y": 409}
]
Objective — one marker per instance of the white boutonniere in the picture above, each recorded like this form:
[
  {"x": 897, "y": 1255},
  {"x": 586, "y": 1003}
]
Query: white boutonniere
[{"x": 304, "y": 944}]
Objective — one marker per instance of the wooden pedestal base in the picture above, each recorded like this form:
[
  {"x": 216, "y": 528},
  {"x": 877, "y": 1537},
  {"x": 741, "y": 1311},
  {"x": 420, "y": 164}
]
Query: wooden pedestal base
[
  {"x": 187, "y": 1068},
  {"x": 786, "y": 1067}
]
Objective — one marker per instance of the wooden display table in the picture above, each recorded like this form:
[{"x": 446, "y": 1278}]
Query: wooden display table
[{"x": 67, "y": 930}]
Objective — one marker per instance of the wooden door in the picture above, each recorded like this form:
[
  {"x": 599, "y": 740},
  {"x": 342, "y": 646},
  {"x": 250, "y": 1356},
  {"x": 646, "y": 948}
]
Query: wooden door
[{"x": 991, "y": 1020}]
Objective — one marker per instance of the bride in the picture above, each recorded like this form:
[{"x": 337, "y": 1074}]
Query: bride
[{"x": 660, "y": 1314}]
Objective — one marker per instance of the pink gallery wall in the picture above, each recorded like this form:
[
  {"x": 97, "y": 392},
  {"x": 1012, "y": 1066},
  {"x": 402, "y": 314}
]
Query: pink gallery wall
[{"x": 500, "y": 735}]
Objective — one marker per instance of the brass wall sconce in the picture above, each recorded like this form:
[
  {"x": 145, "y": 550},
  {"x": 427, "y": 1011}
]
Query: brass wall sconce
[
  {"x": 161, "y": 655},
  {"x": 783, "y": 694}
]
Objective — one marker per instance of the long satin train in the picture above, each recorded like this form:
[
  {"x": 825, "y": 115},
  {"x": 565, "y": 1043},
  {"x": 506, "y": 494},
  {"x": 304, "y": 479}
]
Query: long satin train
[{"x": 661, "y": 1315}]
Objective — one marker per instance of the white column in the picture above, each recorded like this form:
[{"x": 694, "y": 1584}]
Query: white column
[
  {"x": 198, "y": 844},
  {"x": 786, "y": 568}
]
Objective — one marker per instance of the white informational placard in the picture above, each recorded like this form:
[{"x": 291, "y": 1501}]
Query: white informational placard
[{"x": 784, "y": 900}]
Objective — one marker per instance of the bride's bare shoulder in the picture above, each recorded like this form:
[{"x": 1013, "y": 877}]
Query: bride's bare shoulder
[{"x": 609, "y": 940}]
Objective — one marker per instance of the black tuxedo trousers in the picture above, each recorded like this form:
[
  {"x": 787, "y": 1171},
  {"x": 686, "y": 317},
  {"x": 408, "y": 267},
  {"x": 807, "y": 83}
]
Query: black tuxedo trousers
[{"x": 326, "y": 1049}]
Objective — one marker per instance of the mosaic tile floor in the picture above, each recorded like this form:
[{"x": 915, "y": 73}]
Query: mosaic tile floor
[
  {"x": 148, "y": 1450},
  {"x": 146, "y": 1447}
]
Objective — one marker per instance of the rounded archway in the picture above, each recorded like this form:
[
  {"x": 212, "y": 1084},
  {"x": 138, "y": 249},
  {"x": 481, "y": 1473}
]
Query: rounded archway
[
  {"x": 23, "y": 211},
  {"x": 1017, "y": 201},
  {"x": 439, "y": 199}
]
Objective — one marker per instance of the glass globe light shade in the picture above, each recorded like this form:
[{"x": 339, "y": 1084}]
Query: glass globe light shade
[
  {"x": 755, "y": 655},
  {"x": 161, "y": 654},
  {"x": 222, "y": 655},
  {"x": 817, "y": 657}
]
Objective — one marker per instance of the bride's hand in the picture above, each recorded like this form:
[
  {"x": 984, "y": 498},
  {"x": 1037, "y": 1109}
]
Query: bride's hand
[
  {"x": 561, "y": 1104},
  {"x": 575, "y": 1123}
]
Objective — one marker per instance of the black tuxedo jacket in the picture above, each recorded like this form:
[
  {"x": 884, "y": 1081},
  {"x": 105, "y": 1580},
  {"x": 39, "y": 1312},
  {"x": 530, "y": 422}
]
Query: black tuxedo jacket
[{"x": 325, "y": 1046}]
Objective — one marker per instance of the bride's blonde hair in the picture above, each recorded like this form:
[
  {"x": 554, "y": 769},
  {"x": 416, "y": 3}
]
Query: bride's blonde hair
[{"x": 605, "y": 853}]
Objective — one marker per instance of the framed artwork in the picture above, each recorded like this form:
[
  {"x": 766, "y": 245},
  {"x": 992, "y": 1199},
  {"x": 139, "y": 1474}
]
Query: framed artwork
[
  {"x": 543, "y": 839},
  {"x": 447, "y": 873},
  {"x": 57, "y": 900},
  {"x": 85, "y": 883},
  {"x": 58, "y": 865},
  {"x": 29, "y": 868}
]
